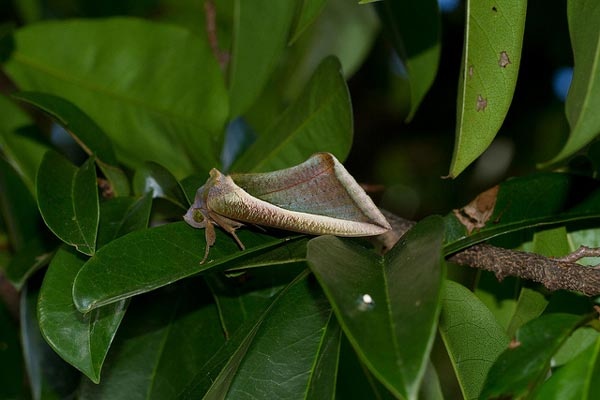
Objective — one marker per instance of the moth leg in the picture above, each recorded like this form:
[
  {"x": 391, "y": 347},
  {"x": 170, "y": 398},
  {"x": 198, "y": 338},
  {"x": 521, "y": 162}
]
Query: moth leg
[
  {"x": 209, "y": 234},
  {"x": 229, "y": 226}
]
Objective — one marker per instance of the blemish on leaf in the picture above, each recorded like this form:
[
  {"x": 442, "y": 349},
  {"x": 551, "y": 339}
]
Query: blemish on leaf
[
  {"x": 470, "y": 71},
  {"x": 481, "y": 103},
  {"x": 106, "y": 188},
  {"x": 504, "y": 60},
  {"x": 514, "y": 343},
  {"x": 477, "y": 213},
  {"x": 494, "y": 9}
]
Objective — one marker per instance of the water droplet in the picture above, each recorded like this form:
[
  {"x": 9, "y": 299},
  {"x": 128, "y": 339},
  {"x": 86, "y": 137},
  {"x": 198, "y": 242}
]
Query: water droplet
[{"x": 366, "y": 302}]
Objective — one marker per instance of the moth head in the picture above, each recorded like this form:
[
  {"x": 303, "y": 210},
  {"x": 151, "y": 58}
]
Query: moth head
[{"x": 195, "y": 217}]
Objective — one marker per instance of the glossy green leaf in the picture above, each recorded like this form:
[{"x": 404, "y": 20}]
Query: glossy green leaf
[
  {"x": 22, "y": 144},
  {"x": 343, "y": 29},
  {"x": 530, "y": 305},
  {"x": 579, "y": 379},
  {"x": 48, "y": 375},
  {"x": 472, "y": 337},
  {"x": 261, "y": 30},
  {"x": 122, "y": 215},
  {"x": 164, "y": 340},
  {"x": 101, "y": 66},
  {"x": 146, "y": 260},
  {"x": 419, "y": 49},
  {"x": 520, "y": 369},
  {"x": 490, "y": 65},
  {"x": 85, "y": 132},
  {"x": 18, "y": 207},
  {"x": 309, "y": 10},
  {"x": 354, "y": 379},
  {"x": 575, "y": 344},
  {"x": 241, "y": 298},
  {"x": 82, "y": 340},
  {"x": 11, "y": 367},
  {"x": 296, "y": 326},
  {"x": 584, "y": 95},
  {"x": 68, "y": 200},
  {"x": 319, "y": 120},
  {"x": 156, "y": 179},
  {"x": 37, "y": 253},
  {"x": 388, "y": 306},
  {"x": 530, "y": 201}
]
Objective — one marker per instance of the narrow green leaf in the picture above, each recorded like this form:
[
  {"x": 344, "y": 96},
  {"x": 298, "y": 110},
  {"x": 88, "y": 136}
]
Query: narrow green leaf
[
  {"x": 156, "y": 179},
  {"x": 319, "y": 120},
  {"x": 472, "y": 337},
  {"x": 20, "y": 141},
  {"x": 520, "y": 369},
  {"x": 18, "y": 207},
  {"x": 241, "y": 298},
  {"x": 37, "y": 253},
  {"x": 530, "y": 305},
  {"x": 418, "y": 47},
  {"x": 164, "y": 340},
  {"x": 68, "y": 200},
  {"x": 122, "y": 215},
  {"x": 579, "y": 379},
  {"x": 388, "y": 306},
  {"x": 578, "y": 342},
  {"x": 146, "y": 260},
  {"x": 309, "y": 11},
  {"x": 583, "y": 100},
  {"x": 324, "y": 374},
  {"x": 296, "y": 326},
  {"x": 85, "y": 131},
  {"x": 530, "y": 201},
  {"x": 48, "y": 375},
  {"x": 149, "y": 113},
  {"x": 261, "y": 30},
  {"x": 490, "y": 65},
  {"x": 82, "y": 340},
  {"x": 11, "y": 367}
]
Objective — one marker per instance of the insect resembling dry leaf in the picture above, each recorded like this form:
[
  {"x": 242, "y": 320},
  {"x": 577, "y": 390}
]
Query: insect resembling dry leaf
[{"x": 476, "y": 214}]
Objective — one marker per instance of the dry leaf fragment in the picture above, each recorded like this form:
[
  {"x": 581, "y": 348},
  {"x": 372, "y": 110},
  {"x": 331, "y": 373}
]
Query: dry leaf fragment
[
  {"x": 504, "y": 60},
  {"x": 476, "y": 214},
  {"x": 481, "y": 103}
]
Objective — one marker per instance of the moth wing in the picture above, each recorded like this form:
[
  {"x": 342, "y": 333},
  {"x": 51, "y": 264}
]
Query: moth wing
[{"x": 319, "y": 186}]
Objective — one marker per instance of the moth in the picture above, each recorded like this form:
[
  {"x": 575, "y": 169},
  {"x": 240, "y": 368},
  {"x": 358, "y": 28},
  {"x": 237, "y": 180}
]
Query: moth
[{"x": 317, "y": 197}]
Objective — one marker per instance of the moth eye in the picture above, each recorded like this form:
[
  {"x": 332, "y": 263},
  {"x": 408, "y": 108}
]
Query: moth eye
[{"x": 197, "y": 215}]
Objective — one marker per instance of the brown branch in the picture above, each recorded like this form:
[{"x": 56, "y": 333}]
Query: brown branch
[
  {"x": 553, "y": 273},
  {"x": 211, "y": 30}
]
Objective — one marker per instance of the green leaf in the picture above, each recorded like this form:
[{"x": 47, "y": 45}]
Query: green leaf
[
  {"x": 579, "y": 379},
  {"x": 146, "y": 260},
  {"x": 20, "y": 142},
  {"x": 472, "y": 337},
  {"x": 156, "y": 179},
  {"x": 165, "y": 338},
  {"x": 419, "y": 49},
  {"x": 577, "y": 343},
  {"x": 520, "y": 369},
  {"x": 37, "y": 253},
  {"x": 297, "y": 326},
  {"x": 85, "y": 131},
  {"x": 82, "y": 340},
  {"x": 102, "y": 66},
  {"x": 11, "y": 367},
  {"x": 68, "y": 200},
  {"x": 18, "y": 207},
  {"x": 490, "y": 65},
  {"x": 584, "y": 94},
  {"x": 243, "y": 297},
  {"x": 261, "y": 30},
  {"x": 309, "y": 11},
  {"x": 319, "y": 120},
  {"x": 122, "y": 215},
  {"x": 530, "y": 305},
  {"x": 48, "y": 375},
  {"x": 388, "y": 306},
  {"x": 530, "y": 201}
]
